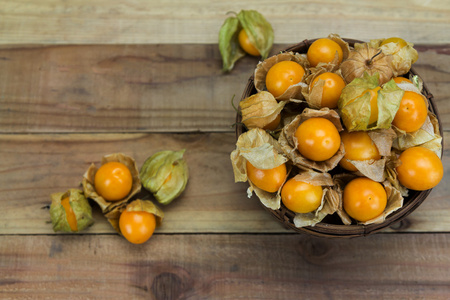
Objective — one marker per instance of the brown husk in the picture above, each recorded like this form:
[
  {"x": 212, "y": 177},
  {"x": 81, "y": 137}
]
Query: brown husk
[
  {"x": 330, "y": 199},
  {"x": 292, "y": 92},
  {"x": 313, "y": 95},
  {"x": 428, "y": 135},
  {"x": 358, "y": 63},
  {"x": 89, "y": 176},
  {"x": 394, "y": 200},
  {"x": 392, "y": 162},
  {"x": 289, "y": 143},
  {"x": 345, "y": 52},
  {"x": 375, "y": 169}
]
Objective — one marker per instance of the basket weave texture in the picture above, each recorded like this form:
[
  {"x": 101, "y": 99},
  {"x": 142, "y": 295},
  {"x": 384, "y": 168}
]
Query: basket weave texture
[{"x": 331, "y": 226}]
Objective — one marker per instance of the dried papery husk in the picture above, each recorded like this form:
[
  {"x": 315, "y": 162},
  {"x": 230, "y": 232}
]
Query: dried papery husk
[
  {"x": 345, "y": 52},
  {"x": 366, "y": 59},
  {"x": 329, "y": 203},
  {"x": 136, "y": 205},
  {"x": 412, "y": 87},
  {"x": 402, "y": 57},
  {"x": 269, "y": 200},
  {"x": 260, "y": 110},
  {"x": 292, "y": 92},
  {"x": 313, "y": 94},
  {"x": 394, "y": 200},
  {"x": 355, "y": 108},
  {"x": 80, "y": 206},
  {"x": 392, "y": 162},
  {"x": 289, "y": 142},
  {"x": 374, "y": 169},
  {"x": 340, "y": 181},
  {"x": 89, "y": 177},
  {"x": 263, "y": 152},
  {"x": 417, "y": 81},
  {"x": 344, "y": 45},
  {"x": 428, "y": 136}
]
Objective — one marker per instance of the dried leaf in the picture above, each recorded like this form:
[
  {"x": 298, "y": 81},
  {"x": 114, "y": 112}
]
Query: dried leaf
[
  {"x": 340, "y": 181},
  {"x": 292, "y": 92},
  {"x": 313, "y": 94},
  {"x": 402, "y": 57},
  {"x": 392, "y": 162},
  {"x": 263, "y": 152},
  {"x": 328, "y": 204},
  {"x": 136, "y": 205},
  {"x": 428, "y": 135},
  {"x": 89, "y": 176},
  {"x": 394, "y": 199},
  {"x": 374, "y": 169},
  {"x": 260, "y": 110},
  {"x": 289, "y": 143},
  {"x": 394, "y": 202}
]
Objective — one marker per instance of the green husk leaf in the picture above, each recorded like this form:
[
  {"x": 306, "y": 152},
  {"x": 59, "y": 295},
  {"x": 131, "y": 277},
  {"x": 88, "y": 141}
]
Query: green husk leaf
[
  {"x": 80, "y": 207},
  {"x": 165, "y": 174},
  {"x": 258, "y": 29},
  {"x": 229, "y": 43},
  {"x": 355, "y": 108}
]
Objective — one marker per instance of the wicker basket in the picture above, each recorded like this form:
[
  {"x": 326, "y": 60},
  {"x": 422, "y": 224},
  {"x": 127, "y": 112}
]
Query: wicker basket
[{"x": 332, "y": 226}]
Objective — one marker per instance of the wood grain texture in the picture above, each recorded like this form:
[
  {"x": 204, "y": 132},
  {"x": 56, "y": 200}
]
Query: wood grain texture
[
  {"x": 143, "y": 88},
  {"x": 34, "y": 166},
  {"x": 176, "y": 21},
  {"x": 226, "y": 267},
  {"x": 117, "y": 89}
]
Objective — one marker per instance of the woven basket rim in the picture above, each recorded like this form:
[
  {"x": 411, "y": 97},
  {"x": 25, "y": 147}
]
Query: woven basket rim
[{"x": 328, "y": 230}]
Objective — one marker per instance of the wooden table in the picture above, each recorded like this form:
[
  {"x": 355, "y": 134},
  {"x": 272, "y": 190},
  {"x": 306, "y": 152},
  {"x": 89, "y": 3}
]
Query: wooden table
[{"x": 82, "y": 79}]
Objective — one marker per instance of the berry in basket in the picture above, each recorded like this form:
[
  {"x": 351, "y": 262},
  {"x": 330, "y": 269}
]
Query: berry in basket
[{"x": 371, "y": 144}]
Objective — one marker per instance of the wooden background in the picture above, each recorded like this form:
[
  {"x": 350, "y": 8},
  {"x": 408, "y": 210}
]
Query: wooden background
[{"x": 82, "y": 79}]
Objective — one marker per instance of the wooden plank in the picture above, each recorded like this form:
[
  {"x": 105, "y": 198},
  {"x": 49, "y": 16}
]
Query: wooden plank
[
  {"x": 393, "y": 266},
  {"x": 155, "y": 22},
  {"x": 117, "y": 88},
  {"x": 142, "y": 88},
  {"x": 34, "y": 166}
]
